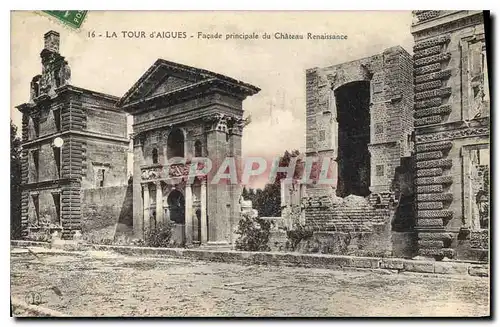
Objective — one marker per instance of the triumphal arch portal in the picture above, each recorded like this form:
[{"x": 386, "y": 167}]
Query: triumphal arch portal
[{"x": 184, "y": 112}]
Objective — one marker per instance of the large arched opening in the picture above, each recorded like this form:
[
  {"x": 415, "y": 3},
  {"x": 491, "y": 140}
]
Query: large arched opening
[
  {"x": 353, "y": 116},
  {"x": 176, "y": 206},
  {"x": 175, "y": 144}
]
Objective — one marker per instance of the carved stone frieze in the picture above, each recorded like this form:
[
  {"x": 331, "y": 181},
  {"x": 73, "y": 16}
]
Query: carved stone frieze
[
  {"x": 152, "y": 173},
  {"x": 452, "y": 134}
]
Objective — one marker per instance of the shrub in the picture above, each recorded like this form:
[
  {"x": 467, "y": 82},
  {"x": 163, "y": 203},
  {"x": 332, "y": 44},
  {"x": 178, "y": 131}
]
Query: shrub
[
  {"x": 297, "y": 234},
  {"x": 160, "y": 235},
  {"x": 254, "y": 233},
  {"x": 138, "y": 242}
]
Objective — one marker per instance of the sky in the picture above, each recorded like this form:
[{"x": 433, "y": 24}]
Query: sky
[{"x": 113, "y": 65}]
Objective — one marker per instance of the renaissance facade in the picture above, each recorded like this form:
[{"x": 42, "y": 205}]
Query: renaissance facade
[{"x": 183, "y": 112}]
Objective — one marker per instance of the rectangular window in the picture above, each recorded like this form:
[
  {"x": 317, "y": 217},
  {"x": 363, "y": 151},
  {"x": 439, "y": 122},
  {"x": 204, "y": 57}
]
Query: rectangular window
[
  {"x": 476, "y": 189},
  {"x": 36, "y": 125},
  {"x": 36, "y": 205},
  {"x": 100, "y": 177},
  {"x": 477, "y": 80},
  {"x": 57, "y": 119},
  {"x": 379, "y": 170},
  {"x": 35, "y": 157},
  {"x": 322, "y": 135},
  {"x": 57, "y": 158},
  {"x": 379, "y": 128},
  {"x": 57, "y": 204},
  {"x": 101, "y": 173}
]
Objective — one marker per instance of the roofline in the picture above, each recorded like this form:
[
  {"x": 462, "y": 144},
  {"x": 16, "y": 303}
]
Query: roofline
[
  {"x": 362, "y": 58},
  {"x": 69, "y": 88},
  {"x": 203, "y": 72},
  {"x": 185, "y": 90},
  {"x": 106, "y": 96}
]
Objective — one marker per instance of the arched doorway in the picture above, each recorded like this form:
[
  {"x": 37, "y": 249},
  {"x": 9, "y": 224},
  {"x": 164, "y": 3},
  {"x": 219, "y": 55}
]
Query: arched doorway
[
  {"x": 175, "y": 144},
  {"x": 353, "y": 116},
  {"x": 176, "y": 207}
]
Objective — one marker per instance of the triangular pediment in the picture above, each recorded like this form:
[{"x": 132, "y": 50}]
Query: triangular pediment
[
  {"x": 167, "y": 77},
  {"x": 168, "y": 84},
  {"x": 161, "y": 78}
]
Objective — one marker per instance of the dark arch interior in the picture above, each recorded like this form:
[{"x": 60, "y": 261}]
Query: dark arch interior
[
  {"x": 198, "y": 149},
  {"x": 155, "y": 155},
  {"x": 175, "y": 144},
  {"x": 176, "y": 206},
  {"x": 353, "y": 116}
]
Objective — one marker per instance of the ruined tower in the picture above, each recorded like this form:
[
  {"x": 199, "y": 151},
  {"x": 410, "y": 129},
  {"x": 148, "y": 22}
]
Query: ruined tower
[{"x": 359, "y": 117}]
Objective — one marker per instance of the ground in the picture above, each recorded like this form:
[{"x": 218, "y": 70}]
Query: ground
[{"x": 98, "y": 283}]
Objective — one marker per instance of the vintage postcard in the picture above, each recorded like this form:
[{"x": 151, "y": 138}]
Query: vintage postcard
[{"x": 250, "y": 164}]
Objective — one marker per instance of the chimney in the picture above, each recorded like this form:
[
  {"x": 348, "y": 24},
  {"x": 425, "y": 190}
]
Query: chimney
[{"x": 51, "y": 41}]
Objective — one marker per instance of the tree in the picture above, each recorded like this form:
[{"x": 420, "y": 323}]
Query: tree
[
  {"x": 268, "y": 201},
  {"x": 245, "y": 193},
  {"x": 15, "y": 183}
]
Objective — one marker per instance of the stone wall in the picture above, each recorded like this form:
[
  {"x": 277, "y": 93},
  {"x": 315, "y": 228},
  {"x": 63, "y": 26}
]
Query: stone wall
[
  {"x": 353, "y": 213},
  {"x": 108, "y": 156},
  {"x": 109, "y": 122},
  {"x": 107, "y": 213}
]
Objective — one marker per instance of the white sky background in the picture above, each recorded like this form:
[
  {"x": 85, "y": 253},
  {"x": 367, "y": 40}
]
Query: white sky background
[{"x": 276, "y": 66}]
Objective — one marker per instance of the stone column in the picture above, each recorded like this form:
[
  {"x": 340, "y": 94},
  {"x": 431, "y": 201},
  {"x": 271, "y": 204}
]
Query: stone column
[
  {"x": 159, "y": 203},
  {"x": 218, "y": 194},
  {"x": 203, "y": 202},
  {"x": 188, "y": 227},
  {"x": 145, "y": 195},
  {"x": 235, "y": 190}
]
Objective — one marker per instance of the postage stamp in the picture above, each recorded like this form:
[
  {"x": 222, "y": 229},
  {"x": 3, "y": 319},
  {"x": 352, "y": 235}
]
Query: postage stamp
[{"x": 72, "y": 18}]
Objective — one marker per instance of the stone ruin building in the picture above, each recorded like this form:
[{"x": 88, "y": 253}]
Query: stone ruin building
[
  {"x": 407, "y": 137},
  {"x": 408, "y": 140},
  {"x": 360, "y": 116},
  {"x": 74, "y": 154},
  {"x": 75, "y": 147}
]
